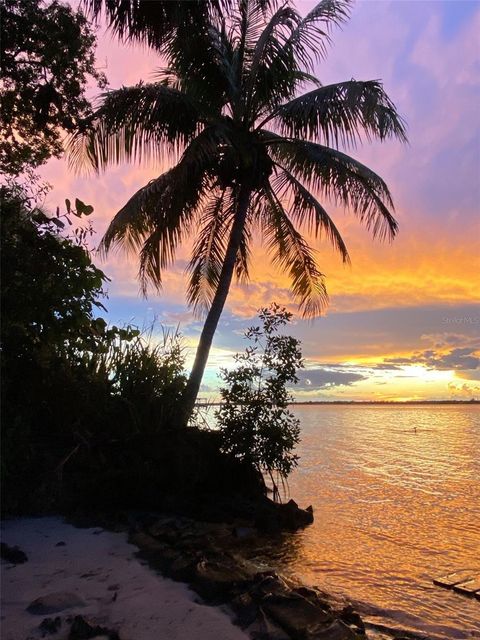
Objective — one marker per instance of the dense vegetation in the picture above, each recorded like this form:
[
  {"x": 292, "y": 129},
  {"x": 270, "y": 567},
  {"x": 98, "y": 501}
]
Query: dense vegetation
[
  {"x": 89, "y": 410},
  {"x": 48, "y": 56},
  {"x": 76, "y": 393}
]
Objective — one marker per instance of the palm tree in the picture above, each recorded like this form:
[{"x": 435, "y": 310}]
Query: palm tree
[{"x": 250, "y": 154}]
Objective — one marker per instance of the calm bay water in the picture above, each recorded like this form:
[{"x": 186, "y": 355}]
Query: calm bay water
[{"x": 396, "y": 494}]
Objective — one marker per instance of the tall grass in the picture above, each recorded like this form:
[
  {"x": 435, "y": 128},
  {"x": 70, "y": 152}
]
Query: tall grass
[{"x": 144, "y": 370}]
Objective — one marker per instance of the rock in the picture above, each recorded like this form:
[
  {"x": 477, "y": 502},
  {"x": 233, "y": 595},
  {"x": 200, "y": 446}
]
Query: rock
[
  {"x": 146, "y": 542},
  {"x": 264, "y": 629},
  {"x": 269, "y": 583},
  {"x": 337, "y": 630},
  {"x": 183, "y": 568},
  {"x": 83, "y": 630},
  {"x": 218, "y": 581},
  {"x": 309, "y": 593},
  {"x": 60, "y": 544},
  {"x": 54, "y": 603},
  {"x": 296, "y": 615},
  {"x": 12, "y": 554},
  {"x": 352, "y": 618},
  {"x": 293, "y": 517},
  {"x": 49, "y": 626},
  {"x": 274, "y": 518},
  {"x": 245, "y": 609}
]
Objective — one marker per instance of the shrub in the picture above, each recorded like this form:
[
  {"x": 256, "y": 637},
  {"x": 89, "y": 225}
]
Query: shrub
[
  {"x": 76, "y": 393},
  {"x": 144, "y": 373},
  {"x": 89, "y": 411},
  {"x": 255, "y": 423}
]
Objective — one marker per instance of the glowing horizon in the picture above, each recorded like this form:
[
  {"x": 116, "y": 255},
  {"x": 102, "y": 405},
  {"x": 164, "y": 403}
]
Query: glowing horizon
[{"x": 402, "y": 320}]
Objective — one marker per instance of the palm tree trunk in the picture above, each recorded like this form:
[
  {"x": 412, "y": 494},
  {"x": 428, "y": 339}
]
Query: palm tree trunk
[{"x": 213, "y": 316}]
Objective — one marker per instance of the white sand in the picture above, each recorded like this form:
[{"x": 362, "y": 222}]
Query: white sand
[{"x": 147, "y": 607}]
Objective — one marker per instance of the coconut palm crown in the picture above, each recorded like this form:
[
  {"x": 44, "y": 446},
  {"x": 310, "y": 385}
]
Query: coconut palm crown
[{"x": 250, "y": 154}]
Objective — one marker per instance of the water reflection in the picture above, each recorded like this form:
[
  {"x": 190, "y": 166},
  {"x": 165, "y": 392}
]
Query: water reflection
[{"x": 397, "y": 503}]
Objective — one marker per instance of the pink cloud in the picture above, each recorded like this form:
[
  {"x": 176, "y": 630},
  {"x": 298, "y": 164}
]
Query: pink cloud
[{"x": 431, "y": 259}]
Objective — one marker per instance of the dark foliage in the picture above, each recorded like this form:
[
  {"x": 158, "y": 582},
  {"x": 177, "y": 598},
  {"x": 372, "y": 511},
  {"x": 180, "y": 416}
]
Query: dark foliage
[
  {"x": 255, "y": 424},
  {"x": 47, "y": 53},
  {"x": 80, "y": 400}
]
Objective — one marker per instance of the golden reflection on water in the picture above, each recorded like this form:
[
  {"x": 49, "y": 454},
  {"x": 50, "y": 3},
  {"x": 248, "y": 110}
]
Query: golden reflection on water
[{"x": 396, "y": 493}]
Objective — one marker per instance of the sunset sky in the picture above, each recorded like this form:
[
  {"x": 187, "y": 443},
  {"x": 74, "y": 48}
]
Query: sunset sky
[{"x": 403, "y": 320}]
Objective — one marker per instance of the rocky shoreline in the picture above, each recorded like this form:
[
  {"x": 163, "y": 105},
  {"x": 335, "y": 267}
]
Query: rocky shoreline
[
  {"x": 207, "y": 556},
  {"x": 213, "y": 559}
]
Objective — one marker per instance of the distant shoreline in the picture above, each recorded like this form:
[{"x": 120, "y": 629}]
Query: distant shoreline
[
  {"x": 385, "y": 402},
  {"x": 361, "y": 403}
]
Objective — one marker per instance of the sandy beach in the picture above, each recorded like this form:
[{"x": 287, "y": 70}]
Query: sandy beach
[{"x": 113, "y": 589}]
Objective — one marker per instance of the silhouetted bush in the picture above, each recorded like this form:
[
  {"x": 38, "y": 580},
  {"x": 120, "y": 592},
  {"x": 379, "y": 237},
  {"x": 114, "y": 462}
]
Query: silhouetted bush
[
  {"x": 255, "y": 424},
  {"x": 90, "y": 412},
  {"x": 76, "y": 394}
]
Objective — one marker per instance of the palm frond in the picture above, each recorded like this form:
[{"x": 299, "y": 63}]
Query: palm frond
[
  {"x": 136, "y": 219},
  {"x": 273, "y": 74},
  {"x": 341, "y": 114},
  {"x": 268, "y": 42},
  {"x": 245, "y": 29},
  {"x": 306, "y": 211},
  {"x": 224, "y": 73},
  {"x": 155, "y": 22},
  {"x": 251, "y": 21},
  {"x": 133, "y": 123},
  {"x": 342, "y": 179},
  {"x": 291, "y": 50},
  {"x": 309, "y": 41},
  {"x": 292, "y": 254},
  {"x": 157, "y": 217},
  {"x": 203, "y": 63},
  {"x": 208, "y": 252}
]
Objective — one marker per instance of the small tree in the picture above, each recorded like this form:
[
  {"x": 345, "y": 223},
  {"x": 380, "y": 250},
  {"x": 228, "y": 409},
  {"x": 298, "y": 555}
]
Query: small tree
[
  {"x": 255, "y": 423},
  {"x": 48, "y": 58}
]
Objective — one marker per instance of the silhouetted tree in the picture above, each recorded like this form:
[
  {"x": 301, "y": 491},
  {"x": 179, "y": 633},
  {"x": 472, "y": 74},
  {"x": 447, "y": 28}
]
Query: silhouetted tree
[
  {"x": 251, "y": 153},
  {"x": 47, "y": 53}
]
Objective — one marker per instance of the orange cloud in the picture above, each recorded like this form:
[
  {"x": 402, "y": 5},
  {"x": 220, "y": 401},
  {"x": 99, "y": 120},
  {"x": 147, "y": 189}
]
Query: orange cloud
[{"x": 432, "y": 261}]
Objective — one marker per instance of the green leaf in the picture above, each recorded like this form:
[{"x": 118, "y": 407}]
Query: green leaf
[{"x": 82, "y": 208}]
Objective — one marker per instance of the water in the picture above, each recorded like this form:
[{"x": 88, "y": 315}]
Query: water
[{"x": 396, "y": 494}]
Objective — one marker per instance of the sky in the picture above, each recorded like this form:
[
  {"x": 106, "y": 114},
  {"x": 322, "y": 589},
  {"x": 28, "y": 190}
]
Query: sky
[{"x": 403, "y": 322}]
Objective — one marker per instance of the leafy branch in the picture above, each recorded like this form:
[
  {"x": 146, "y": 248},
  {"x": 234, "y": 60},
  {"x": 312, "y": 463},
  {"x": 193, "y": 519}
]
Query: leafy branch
[{"x": 255, "y": 423}]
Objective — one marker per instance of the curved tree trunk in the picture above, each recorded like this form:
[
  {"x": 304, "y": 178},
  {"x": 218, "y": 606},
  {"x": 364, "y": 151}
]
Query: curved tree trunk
[{"x": 213, "y": 316}]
